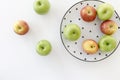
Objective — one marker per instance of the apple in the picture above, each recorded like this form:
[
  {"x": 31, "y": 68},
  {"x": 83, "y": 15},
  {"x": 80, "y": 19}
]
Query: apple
[
  {"x": 41, "y": 6},
  {"x": 107, "y": 43},
  {"x": 105, "y": 11},
  {"x": 43, "y": 47},
  {"x": 21, "y": 27},
  {"x": 90, "y": 46},
  {"x": 88, "y": 13},
  {"x": 109, "y": 27},
  {"x": 72, "y": 32}
]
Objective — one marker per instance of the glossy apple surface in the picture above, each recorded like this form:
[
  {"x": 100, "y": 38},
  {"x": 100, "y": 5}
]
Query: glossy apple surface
[
  {"x": 107, "y": 43},
  {"x": 21, "y": 27},
  {"x": 43, "y": 47},
  {"x": 41, "y": 6},
  {"x": 105, "y": 11},
  {"x": 109, "y": 27},
  {"x": 90, "y": 46},
  {"x": 88, "y": 13},
  {"x": 72, "y": 32}
]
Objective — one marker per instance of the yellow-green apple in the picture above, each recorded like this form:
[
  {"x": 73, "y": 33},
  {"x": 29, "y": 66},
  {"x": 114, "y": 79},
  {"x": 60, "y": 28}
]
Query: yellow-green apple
[
  {"x": 109, "y": 27},
  {"x": 41, "y": 6},
  {"x": 105, "y": 11},
  {"x": 107, "y": 43},
  {"x": 21, "y": 27},
  {"x": 72, "y": 32},
  {"x": 90, "y": 46},
  {"x": 43, "y": 47},
  {"x": 88, "y": 13}
]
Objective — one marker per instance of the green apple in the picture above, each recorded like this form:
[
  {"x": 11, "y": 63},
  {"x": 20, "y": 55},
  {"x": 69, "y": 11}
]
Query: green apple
[
  {"x": 105, "y": 11},
  {"x": 43, "y": 47},
  {"x": 72, "y": 32},
  {"x": 41, "y": 6},
  {"x": 21, "y": 27},
  {"x": 107, "y": 43},
  {"x": 90, "y": 46}
]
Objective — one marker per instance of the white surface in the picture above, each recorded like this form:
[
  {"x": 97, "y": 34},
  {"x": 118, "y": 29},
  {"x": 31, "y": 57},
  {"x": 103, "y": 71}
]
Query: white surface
[{"x": 19, "y": 60}]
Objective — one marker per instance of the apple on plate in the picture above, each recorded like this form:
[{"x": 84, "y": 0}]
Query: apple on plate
[
  {"x": 72, "y": 32},
  {"x": 90, "y": 46},
  {"x": 105, "y": 11},
  {"x": 88, "y": 13},
  {"x": 108, "y": 27},
  {"x": 43, "y": 47},
  {"x": 41, "y": 6},
  {"x": 21, "y": 27},
  {"x": 107, "y": 43}
]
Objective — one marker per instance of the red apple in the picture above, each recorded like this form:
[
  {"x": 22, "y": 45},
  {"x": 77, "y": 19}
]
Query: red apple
[
  {"x": 88, "y": 13},
  {"x": 21, "y": 27},
  {"x": 109, "y": 27},
  {"x": 90, "y": 46}
]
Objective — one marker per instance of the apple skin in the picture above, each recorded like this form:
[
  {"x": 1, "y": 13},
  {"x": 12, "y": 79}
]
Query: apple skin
[
  {"x": 72, "y": 32},
  {"x": 21, "y": 27},
  {"x": 41, "y": 6},
  {"x": 108, "y": 27},
  {"x": 88, "y": 13},
  {"x": 105, "y": 11},
  {"x": 107, "y": 43},
  {"x": 90, "y": 46},
  {"x": 43, "y": 47}
]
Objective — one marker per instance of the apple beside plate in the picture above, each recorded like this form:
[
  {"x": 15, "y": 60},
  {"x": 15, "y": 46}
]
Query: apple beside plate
[
  {"x": 21, "y": 27},
  {"x": 43, "y": 47},
  {"x": 41, "y": 6}
]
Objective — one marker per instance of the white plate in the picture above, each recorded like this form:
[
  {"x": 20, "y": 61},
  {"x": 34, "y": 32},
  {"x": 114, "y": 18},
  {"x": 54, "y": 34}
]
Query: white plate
[{"x": 89, "y": 30}]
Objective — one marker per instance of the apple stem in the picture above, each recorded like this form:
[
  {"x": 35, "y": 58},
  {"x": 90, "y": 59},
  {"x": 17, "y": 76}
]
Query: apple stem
[
  {"x": 39, "y": 3},
  {"x": 42, "y": 47},
  {"x": 19, "y": 27}
]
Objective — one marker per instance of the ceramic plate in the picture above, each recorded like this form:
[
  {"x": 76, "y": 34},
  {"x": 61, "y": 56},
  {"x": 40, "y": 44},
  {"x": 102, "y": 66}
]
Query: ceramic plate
[{"x": 89, "y": 30}]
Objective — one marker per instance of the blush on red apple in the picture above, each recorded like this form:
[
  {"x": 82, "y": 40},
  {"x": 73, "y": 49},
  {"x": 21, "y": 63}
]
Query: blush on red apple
[
  {"x": 90, "y": 46},
  {"x": 88, "y": 13},
  {"x": 109, "y": 27},
  {"x": 21, "y": 27}
]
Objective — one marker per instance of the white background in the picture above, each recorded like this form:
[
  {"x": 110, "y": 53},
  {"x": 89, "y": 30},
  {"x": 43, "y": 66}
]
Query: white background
[{"x": 18, "y": 57}]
